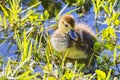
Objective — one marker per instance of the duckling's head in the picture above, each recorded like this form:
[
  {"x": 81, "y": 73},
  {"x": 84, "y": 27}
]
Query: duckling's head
[{"x": 66, "y": 25}]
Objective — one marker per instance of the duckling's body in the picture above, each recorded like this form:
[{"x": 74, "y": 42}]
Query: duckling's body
[
  {"x": 79, "y": 48},
  {"x": 60, "y": 41}
]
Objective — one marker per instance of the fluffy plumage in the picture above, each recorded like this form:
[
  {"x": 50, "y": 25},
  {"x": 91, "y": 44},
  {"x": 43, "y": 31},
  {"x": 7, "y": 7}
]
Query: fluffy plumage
[{"x": 79, "y": 48}]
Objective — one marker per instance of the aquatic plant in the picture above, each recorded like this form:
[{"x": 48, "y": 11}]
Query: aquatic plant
[{"x": 24, "y": 26}]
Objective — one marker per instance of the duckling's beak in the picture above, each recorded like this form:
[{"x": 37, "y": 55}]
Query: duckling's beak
[{"x": 73, "y": 35}]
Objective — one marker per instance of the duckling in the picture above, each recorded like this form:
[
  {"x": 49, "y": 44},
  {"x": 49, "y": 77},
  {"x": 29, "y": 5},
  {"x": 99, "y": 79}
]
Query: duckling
[{"x": 76, "y": 38}]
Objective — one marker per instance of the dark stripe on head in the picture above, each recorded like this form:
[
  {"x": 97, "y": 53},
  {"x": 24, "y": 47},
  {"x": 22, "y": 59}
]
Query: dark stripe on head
[{"x": 69, "y": 19}]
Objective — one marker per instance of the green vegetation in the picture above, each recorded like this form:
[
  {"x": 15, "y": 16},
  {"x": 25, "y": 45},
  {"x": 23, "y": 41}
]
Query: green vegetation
[{"x": 33, "y": 45}]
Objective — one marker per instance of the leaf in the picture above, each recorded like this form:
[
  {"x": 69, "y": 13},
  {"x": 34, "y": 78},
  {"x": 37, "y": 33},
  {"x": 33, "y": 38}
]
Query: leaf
[
  {"x": 97, "y": 46},
  {"x": 100, "y": 75},
  {"x": 4, "y": 22},
  {"x": 106, "y": 9},
  {"x": 46, "y": 14},
  {"x": 48, "y": 68},
  {"x": 117, "y": 22},
  {"x": 8, "y": 68},
  {"x": 19, "y": 66},
  {"x": 118, "y": 47},
  {"x": 14, "y": 10},
  {"x": 32, "y": 76},
  {"x": 41, "y": 17},
  {"x": 3, "y": 78},
  {"x": 52, "y": 78},
  {"x": 108, "y": 34},
  {"x": 25, "y": 74},
  {"x": 97, "y": 5},
  {"x": 4, "y": 11},
  {"x": 80, "y": 2},
  {"x": 30, "y": 12},
  {"x": 29, "y": 8},
  {"x": 35, "y": 45},
  {"x": 68, "y": 75},
  {"x": 108, "y": 76},
  {"x": 0, "y": 19},
  {"x": 25, "y": 47},
  {"x": 61, "y": 11},
  {"x": 109, "y": 46},
  {"x": 17, "y": 38},
  {"x": 30, "y": 51},
  {"x": 115, "y": 55}
]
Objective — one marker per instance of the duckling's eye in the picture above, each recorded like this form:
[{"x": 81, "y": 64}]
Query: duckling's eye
[{"x": 66, "y": 25}]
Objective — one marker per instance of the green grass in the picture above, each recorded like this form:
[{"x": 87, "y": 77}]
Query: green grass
[{"x": 34, "y": 47}]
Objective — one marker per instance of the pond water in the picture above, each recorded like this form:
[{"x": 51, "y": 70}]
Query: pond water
[{"x": 88, "y": 18}]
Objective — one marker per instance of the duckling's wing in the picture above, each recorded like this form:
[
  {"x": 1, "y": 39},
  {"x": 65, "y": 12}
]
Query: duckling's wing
[
  {"x": 86, "y": 36},
  {"x": 86, "y": 40}
]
